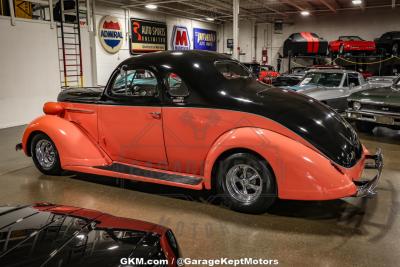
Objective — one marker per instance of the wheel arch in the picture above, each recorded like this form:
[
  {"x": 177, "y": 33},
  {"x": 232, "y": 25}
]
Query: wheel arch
[
  {"x": 28, "y": 151},
  {"x": 75, "y": 147},
  {"x": 233, "y": 151}
]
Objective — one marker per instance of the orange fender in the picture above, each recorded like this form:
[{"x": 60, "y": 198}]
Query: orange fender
[
  {"x": 74, "y": 146},
  {"x": 301, "y": 173}
]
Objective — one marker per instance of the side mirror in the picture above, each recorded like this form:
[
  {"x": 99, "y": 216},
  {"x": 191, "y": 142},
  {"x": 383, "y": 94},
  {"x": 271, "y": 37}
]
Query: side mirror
[{"x": 352, "y": 85}]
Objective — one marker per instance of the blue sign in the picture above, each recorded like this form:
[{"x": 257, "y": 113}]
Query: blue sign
[{"x": 205, "y": 39}]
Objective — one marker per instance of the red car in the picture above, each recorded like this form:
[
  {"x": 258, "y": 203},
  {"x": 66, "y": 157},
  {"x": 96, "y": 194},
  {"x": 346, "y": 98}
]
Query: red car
[
  {"x": 267, "y": 74},
  {"x": 351, "y": 44},
  {"x": 200, "y": 120},
  {"x": 56, "y": 235}
]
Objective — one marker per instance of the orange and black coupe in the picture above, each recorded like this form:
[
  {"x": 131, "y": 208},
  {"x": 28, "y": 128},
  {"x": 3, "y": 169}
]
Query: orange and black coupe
[{"x": 200, "y": 120}]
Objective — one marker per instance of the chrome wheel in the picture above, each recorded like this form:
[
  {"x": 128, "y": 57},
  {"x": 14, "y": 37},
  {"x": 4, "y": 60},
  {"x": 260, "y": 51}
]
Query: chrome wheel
[
  {"x": 45, "y": 154},
  {"x": 244, "y": 183}
]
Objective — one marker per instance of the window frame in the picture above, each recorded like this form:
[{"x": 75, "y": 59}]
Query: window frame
[
  {"x": 134, "y": 100},
  {"x": 167, "y": 88}
]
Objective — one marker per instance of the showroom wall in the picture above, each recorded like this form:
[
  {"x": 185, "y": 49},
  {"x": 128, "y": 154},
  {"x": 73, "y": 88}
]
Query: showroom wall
[
  {"x": 369, "y": 25},
  {"x": 29, "y": 61},
  {"x": 29, "y": 70},
  {"x": 106, "y": 62}
]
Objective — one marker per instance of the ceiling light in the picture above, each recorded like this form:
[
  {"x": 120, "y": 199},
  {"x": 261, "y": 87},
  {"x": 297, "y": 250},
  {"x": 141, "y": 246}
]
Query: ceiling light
[
  {"x": 210, "y": 19},
  {"x": 305, "y": 13},
  {"x": 151, "y": 6},
  {"x": 357, "y": 2}
]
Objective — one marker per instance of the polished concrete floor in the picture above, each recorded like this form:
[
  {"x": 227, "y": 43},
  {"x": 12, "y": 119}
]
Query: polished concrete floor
[{"x": 333, "y": 233}]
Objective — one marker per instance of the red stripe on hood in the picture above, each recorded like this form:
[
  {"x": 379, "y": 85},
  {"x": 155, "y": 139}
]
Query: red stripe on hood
[{"x": 307, "y": 36}]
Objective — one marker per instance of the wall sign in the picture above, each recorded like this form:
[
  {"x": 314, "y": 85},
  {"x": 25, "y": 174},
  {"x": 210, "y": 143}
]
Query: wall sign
[
  {"x": 110, "y": 34},
  {"x": 180, "y": 38},
  {"x": 205, "y": 39},
  {"x": 229, "y": 43},
  {"x": 148, "y": 36}
]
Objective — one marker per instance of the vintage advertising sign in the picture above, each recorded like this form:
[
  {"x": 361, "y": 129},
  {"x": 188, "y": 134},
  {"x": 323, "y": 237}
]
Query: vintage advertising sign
[
  {"x": 148, "y": 36},
  {"x": 110, "y": 34},
  {"x": 205, "y": 39},
  {"x": 180, "y": 38}
]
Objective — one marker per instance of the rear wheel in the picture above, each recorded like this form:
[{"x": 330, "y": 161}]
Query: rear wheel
[
  {"x": 45, "y": 155},
  {"x": 246, "y": 183},
  {"x": 365, "y": 126}
]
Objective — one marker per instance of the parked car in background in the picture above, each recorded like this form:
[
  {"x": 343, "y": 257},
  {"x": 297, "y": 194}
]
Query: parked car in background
[
  {"x": 55, "y": 235},
  {"x": 376, "y": 107},
  {"x": 254, "y": 68},
  {"x": 389, "y": 43},
  {"x": 351, "y": 44},
  {"x": 221, "y": 129},
  {"x": 381, "y": 81},
  {"x": 267, "y": 74},
  {"x": 331, "y": 86},
  {"x": 305, "y": 44}
]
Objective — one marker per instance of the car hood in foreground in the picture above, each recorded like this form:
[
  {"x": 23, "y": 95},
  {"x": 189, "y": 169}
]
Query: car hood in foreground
[
  {"x": 382, "y": 95},
  {"x": 315, "y": 122},
  {"x": 50, "y": 235}
]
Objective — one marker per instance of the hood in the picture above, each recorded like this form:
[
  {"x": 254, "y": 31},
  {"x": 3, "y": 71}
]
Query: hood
[
  {"x": 388, "y": 95},
  {"x": 84, "y": 94},
  {"x": 318, "y": 124},
  {"x": 360, "y": 43},
  {"x": 307, "y": 87},
  {"x": 51, "y": 235}
]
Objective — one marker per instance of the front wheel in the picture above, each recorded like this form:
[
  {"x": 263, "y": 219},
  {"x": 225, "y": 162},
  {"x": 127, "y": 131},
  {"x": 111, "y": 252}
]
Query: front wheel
[
  {"x": 45, "y": 155},
  {"x": 246, "y": 183}
]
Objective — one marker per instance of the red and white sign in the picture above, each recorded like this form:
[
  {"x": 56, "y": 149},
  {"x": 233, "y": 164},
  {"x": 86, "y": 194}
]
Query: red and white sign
[{"x": 180, "y": 38}]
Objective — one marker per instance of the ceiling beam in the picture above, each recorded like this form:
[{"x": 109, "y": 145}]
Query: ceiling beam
[
  {"x": 303, "y": 6},
  {"x": 262, "y": 3},
  {"x": 332, "y": 5}
]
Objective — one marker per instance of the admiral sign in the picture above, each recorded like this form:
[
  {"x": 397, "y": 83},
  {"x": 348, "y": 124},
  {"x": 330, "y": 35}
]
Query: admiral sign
[
  {"x": 148, "y": 36},
  {"x": 110, "y": 34},
  {"x": 205, "y": 39},
  {"x": 180, "y": 38}
]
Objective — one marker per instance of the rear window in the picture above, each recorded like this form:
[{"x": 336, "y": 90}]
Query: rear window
[{"x": 232, "y": 69}]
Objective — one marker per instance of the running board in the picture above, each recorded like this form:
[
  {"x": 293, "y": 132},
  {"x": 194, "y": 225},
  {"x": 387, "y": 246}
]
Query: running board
[{"x": 127, "y": 169}]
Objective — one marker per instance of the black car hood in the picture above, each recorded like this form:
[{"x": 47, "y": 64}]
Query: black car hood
[
  {"x": 39, "y": 237},
  {"x": 84, "y": 94},
  {"x": 315, "y": 122}
]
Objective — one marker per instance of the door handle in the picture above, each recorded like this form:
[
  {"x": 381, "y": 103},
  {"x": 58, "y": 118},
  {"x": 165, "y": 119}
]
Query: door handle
[{"x": 156, "y": 115}]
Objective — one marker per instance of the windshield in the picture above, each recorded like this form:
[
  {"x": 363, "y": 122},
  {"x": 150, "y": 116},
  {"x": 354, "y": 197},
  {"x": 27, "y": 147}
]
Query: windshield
[
  {"x": 267, "y": 68},
  {"x": 322, "y": 79},
  {"x": 232, "y": 69},
  {"x": 350, "y": 38}
]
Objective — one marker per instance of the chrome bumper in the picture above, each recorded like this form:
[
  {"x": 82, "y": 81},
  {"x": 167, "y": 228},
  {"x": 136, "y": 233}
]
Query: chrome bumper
[
  {"x": 18, "y": 146},
  {"x": 367, "y": 188},
  {"x": 379, "y": 117}
]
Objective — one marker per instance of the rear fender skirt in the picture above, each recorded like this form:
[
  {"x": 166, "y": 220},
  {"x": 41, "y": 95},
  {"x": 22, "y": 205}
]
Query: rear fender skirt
[
  {"x": 75, "y": 147},
  {"x": 301, "y": 173}
]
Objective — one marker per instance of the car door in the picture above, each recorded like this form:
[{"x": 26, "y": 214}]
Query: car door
[{"x": 130, "y": 119}]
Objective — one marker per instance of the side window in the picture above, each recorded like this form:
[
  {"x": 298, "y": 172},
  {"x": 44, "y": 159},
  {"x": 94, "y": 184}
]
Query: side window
[
  {"x": 135, "y": 83},
  {"x": 176, "y": 87},
  {"x": 353, "y": 79}
]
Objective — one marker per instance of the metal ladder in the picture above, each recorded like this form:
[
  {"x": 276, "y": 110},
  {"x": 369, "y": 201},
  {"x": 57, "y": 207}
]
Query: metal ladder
[{"x": 69, "y": 46}]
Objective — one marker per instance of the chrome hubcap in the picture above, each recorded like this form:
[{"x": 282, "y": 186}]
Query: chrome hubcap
[
  {"x": 45, "y": 154},
  {"x": 244, "y": 183}
]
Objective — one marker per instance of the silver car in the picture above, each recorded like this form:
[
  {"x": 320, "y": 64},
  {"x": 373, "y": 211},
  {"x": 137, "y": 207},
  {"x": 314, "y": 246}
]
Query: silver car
[{"x": 331, "y": 86}]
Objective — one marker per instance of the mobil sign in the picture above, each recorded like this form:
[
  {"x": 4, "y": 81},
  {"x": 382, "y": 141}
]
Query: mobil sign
[{"x": 180, "y": 38}]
